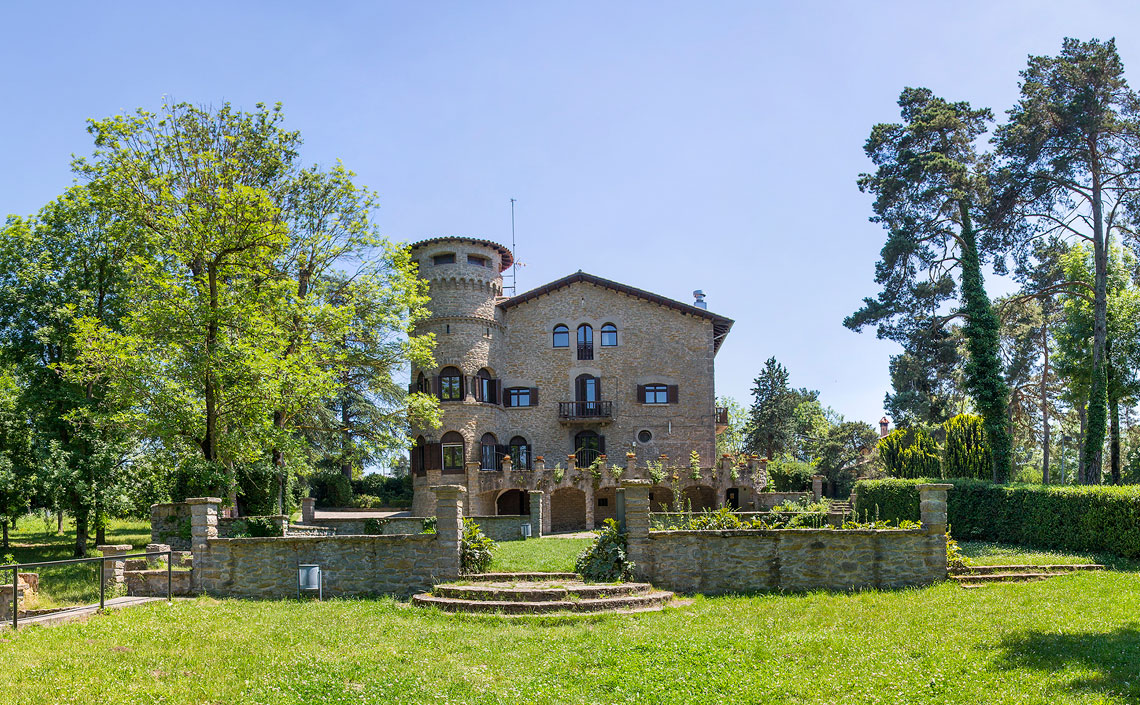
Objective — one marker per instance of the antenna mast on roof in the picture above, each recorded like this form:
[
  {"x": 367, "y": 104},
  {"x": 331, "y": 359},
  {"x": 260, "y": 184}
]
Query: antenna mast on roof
[{"x": 514, "y": 254}]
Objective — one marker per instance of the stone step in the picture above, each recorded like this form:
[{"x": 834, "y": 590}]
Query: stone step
[
  {"x": 539, "y": 592},
  {"x": 1062, "y": 568},
  {"x": 650, "y": 601},
  {"x": 994, "y": 578},
  {"x": 520, "y": 577}
]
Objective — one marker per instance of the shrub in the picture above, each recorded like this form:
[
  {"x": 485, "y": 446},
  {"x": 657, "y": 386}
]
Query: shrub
[
  {"x": 790, "y": 475},
  {"x": 254, "y": 527},
  {"x": 330, "y": 488},
  {"x": 375, "y": 526},
  {"x": 428, "y": 526},
  {"x": 605, "y": 560},
  {"x": 475, "y": 549},
  {"x": 1084, "y": 519},
  {"x": 199, "y": 478},
  {"x": 909, "y": 452},
  {"x": 966, "y": 453}
]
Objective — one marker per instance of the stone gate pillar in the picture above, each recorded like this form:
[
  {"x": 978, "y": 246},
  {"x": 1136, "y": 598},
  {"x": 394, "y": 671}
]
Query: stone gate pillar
[
  {"x": 637, "y": 525},
  {"x": 308, "y": 510},
  {"x": 449, "y": 525},
  {"x": 817, "y": 486},
  {"x": 535, "y": 497},
  {"x": 114, "y": 567},
  {"x": 932, "y": 507}
]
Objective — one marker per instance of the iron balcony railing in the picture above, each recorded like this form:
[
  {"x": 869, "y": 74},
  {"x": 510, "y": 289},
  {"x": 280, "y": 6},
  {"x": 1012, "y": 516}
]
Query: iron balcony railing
[
  {"x": 585, "y": 351},
  {"x": 585, "y": 410}
]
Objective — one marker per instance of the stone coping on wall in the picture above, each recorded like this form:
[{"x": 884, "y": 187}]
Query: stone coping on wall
[{"x": 348, "y": 538}]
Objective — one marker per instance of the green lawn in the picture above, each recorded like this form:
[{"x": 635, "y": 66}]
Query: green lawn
[
  {"x": 1070, "y": 639},
  {"x": 34, "y": 541},
  {"x": 546, "y": 554}
]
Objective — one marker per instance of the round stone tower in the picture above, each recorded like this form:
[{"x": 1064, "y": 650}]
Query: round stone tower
[{"x": 466, "y": 283}]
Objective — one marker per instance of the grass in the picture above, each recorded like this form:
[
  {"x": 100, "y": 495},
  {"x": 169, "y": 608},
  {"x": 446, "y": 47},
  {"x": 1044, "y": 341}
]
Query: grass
[
  {"x": 553, "y": 555},
  {"x": 1069, "y": 639},
  {"x": 986, "y": 553},
  {"x": 35, "y": 540}
]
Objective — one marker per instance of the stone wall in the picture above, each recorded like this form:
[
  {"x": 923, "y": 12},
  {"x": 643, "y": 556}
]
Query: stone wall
[
  {"x": 714, "y": 562},
  {"x": 499, "y": 528},
  {"x": 152, "y": 583},
  {"x": 351, "y": 565},
  {"x": 168, "y": 524}
]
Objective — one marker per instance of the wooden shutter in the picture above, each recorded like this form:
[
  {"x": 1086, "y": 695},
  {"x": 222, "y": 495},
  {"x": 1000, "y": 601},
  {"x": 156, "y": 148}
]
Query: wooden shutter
[
  {"x": 641, "y": 394},
  {"x": 671, "y": 393},
  {"x": 602, "y": 445},
  {"x": 435, "y": 386},
  {"x": 462, "y": 387},
  {"x": 433, "y": 456},
  {"x": 529, "y": 457},
  {"x": 598, "y": 388},
  {"x": 476, "y": 388},
  {"x": 412, "y": 388},
  {"x": 534, "y": 396},
  {"x": 497, "y": 388}
]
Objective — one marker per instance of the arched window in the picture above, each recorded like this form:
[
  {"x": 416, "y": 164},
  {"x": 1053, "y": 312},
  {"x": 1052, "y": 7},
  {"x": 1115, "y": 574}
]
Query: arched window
[
  {"x": 453, "y": 453},
  {"x": 520, "y": 453},
  {"x": 561, "y": 336},
  {"x": 422, "y": 384},
  {"x": 588, "y": 445},
  {"x": 488, "y": 455},
  {"x": 486, "y": 387},
  {"x": 585, "y": 342},
  {"x": 609, "y": 335},
  {"x": 450, "y": 384}
]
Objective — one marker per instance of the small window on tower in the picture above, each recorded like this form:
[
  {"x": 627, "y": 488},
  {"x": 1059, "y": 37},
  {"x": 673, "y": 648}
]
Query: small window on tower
[
  {"x": 448, "y": 258},
  {"x": 477, "y": 260}
]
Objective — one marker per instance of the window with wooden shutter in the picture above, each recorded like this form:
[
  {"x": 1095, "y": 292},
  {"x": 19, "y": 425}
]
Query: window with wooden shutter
[
  {"x": 641, "y": 394},
  {"x": 672, "y": 393},
  {"x": 433, "y": 456},
  {"x": 534, "y": 396}
]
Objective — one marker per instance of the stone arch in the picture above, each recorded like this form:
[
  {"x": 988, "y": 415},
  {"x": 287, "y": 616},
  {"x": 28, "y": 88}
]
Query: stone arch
[
  {"x": 699, "y": 497},
  {"x": 568, "y": 509},
  {"x": 512, "y": 503},
  {"x": 660, "y": 499}
]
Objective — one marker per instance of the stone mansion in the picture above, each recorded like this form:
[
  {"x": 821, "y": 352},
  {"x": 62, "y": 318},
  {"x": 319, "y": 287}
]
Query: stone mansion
[{"x": 535, "y": 388}]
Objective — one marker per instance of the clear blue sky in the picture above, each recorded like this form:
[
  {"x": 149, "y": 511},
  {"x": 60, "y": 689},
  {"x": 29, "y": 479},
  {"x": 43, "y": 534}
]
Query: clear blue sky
[{"x": 670, "y": 146}]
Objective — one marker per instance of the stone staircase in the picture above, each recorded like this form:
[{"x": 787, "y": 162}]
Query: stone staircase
[
  {"x": 976, "y": 576},
  {"x": 541, "y": 593}
]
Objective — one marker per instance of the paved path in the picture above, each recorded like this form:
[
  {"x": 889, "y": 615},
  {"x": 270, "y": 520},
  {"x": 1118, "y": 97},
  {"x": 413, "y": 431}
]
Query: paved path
[{"x": 83, "y": 611}]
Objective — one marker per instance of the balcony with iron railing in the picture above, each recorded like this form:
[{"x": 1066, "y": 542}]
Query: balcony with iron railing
[
  {"x": 585, "y": 411},
  {"x": 585, "y": 351}
]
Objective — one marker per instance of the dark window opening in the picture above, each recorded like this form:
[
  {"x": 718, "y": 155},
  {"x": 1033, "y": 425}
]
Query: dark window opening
[
  {"x": 588, "y": 445},
  {"x": 520, "y": 453},
  {"x": 476, "y": 259},
  {"x": 561, "y": 336},
  {"x": 609, "y": 335},
  {"x": 486, "y": 388},
  {"x": 655, "y": 394},
  {"x": 444, "y": 259},
  {"x": 521, "y": 396},
  {"x": 644, "y": 436},
  {"x": 603, "y": 502},
  {"x": 585, "y": 342},
  {"x": 487, "y": 456},
  {"x": 453, "y": 453},
  {"x": 450, "y": 384}
]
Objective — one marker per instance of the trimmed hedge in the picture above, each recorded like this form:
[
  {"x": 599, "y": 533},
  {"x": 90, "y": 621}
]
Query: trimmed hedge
[{"x": 1088, "y": 519}]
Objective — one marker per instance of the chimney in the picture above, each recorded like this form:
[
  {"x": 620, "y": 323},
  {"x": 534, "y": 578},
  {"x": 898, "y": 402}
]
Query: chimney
[
  {"x": 884, "y": 427},
  {"x": 700, "y": 299}
]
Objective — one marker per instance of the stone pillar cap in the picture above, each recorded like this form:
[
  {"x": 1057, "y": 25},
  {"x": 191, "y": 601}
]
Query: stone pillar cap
[
  {"x": 114, "y": 547},
  {"x": 535, "y": 491},
  {"x": 448, "y": 488},
  {"x": 936, "y": 486},
  {"x": 203, "y": 500}
]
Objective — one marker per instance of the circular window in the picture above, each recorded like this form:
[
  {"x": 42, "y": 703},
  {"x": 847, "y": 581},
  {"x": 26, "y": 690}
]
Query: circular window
[{"x": 644, "y": 436}]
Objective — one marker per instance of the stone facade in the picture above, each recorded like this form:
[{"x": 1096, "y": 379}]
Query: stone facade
[
  {"x": 510, "y": 342},
  {"x": 716, "y": 562},
  {"x": 351, "y": 565}
]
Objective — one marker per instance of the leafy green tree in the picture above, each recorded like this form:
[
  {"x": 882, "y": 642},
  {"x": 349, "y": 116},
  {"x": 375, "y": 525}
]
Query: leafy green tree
[
  {"x": 840, "y": 449},
  {"x": 926, "y": 384},
  {"x": 1070, "y": 153},
  {"x": 770, "y": 419},
  {"x": 16, "y": 477},
  {"x": 931, "y": 190},
  {"x": 910, "y": 453},
  {"x": 966, "y": 452},
  {"x": 67, "y": 264}
]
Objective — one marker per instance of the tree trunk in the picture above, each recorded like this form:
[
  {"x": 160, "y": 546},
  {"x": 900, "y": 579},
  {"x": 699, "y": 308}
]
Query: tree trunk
[
  {"x": 5, "y": 523},
  {"x": 100, "y": 528},
  {"x": 1094, "y": 438},
  {"x": 346, "y": 435},
  {"x": 80, "y": 533},
  {"x": 1082, "y": 412},
  {"x": 279, "y": 464},
  {"x": 59, "y": 522},
  {"x": 1114, "y": 440},
  {"x": 1045, "y": 398}
]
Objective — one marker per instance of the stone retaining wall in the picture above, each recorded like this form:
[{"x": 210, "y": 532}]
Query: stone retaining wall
[
  {"x": 152, "y": 583},
  {"x": 498, "y": 528},
  {"x": 351, "y": 565},
  {"x": 714, "y": 562}
]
